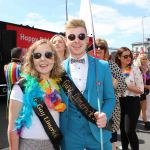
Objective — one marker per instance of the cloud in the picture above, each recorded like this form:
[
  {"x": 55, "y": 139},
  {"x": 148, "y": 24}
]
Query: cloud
[
  {"x": 38, "y": 21},
  {"x": 108, "y": 21},
  {"x": 139, "y": 3},
  {"x": 33, "y": 16}
]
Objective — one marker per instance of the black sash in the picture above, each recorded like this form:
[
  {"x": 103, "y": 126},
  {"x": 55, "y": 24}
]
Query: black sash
[
  {"x": 48, "y": 123},
  {"x": 46, "y": 119},
  {"x": 76, "y": 97}
]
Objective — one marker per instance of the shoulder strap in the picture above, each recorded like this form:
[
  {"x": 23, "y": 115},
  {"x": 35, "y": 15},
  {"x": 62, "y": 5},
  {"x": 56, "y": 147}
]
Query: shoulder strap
[{"x": 21, "y": 83}]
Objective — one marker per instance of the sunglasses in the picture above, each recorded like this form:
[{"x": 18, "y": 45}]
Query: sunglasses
[
  {"x": 72, "y": 37},
  {"x": 126, "y": 56},
  {"x": 101, "y": 47},
  {"x": 47, "y": 55}
]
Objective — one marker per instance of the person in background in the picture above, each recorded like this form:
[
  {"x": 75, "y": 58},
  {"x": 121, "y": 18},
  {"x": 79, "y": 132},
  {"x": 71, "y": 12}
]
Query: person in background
[
  {"x": 58, "y": 42},
  {"x": 119, "y": 84},
  {"x": 130, "y": 100},
  {"x": 135, "y": 55},
  {"x": 80, "y": 133},
  {"x": 42, "y": 74},
  {"x": 99, "y": 53},
  {"x": 12, "y": 69},
  {"x": 143, "y": 63}
]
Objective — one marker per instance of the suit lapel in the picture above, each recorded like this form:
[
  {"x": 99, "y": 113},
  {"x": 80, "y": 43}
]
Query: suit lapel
[{"x": 66, "y": 67}]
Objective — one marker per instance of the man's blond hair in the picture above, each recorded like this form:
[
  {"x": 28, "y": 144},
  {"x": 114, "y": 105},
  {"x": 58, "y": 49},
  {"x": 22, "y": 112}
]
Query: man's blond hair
[{"x": 74, "y": 23}]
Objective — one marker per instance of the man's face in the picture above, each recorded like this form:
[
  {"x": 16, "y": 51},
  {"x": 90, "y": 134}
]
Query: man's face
[
  {"x": 135, "y": 55},
  {"x": 76, "y": 41}
]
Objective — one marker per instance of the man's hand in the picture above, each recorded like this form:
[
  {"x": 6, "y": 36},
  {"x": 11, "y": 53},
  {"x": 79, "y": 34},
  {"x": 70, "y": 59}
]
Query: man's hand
[{"x": 101, "y": 119}]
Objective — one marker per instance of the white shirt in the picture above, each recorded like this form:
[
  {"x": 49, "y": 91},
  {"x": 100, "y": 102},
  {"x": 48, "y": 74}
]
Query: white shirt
[
  {"x": 36, "y": 130},
  {"x": 135, "y": 79},
  {"x": 79, "y": 73}
]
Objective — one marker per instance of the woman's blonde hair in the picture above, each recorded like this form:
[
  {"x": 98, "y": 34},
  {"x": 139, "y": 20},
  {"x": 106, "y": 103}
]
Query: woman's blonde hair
[
  {"x": 66, "y": 53},
  {"x": 29, "y": 68},
  {"x": 138, "y": 60},
  {"x": 102, "y": 42}
]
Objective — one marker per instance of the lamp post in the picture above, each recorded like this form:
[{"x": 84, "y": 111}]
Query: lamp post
[{"x": 143, "y": 31}]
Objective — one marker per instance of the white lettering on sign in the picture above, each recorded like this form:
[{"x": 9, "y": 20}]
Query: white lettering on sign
[{"x": 30, "y": 39}]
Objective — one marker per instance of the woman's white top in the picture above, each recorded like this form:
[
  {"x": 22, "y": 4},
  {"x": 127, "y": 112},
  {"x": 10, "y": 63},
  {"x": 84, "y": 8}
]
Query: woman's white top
[
  {"x": 135, "y": 79},
  {"x": 36, "y": 130}
]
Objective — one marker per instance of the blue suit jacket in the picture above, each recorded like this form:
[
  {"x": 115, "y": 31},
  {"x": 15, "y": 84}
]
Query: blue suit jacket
[{"x": 106, "y": 94}]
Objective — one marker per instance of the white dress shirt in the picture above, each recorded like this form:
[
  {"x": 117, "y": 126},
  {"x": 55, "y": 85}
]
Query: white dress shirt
[{"x": 79, "y": 73}]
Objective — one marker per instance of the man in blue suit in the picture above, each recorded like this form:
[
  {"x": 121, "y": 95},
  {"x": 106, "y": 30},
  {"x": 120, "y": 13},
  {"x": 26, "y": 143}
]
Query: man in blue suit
[{"x": 93, "y": 79}]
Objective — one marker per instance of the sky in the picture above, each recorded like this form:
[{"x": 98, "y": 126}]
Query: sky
[{"x": 120, "y": 22}]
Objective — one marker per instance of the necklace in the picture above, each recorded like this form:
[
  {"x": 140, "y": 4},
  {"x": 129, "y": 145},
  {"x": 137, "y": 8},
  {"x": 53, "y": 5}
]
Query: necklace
[
  {"x": 51, "y": 95},
  {"x": 126, "y": 71}
]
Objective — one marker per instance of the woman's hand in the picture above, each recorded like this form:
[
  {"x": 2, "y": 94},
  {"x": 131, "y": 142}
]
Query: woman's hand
[
  {"x": 101, "y": 119},
  {"x": 134, "y": 89},
  {"x": 115, "y": 83}
]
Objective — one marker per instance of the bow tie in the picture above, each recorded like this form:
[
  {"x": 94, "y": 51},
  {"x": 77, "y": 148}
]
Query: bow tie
[{"x": 82, "y": 61}]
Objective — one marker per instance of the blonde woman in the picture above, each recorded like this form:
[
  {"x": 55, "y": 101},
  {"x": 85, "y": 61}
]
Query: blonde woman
[
  {"x": 42, "y": 71},
  {"x": 58, "y": 42},
  {"x": 143, "y": 63}
]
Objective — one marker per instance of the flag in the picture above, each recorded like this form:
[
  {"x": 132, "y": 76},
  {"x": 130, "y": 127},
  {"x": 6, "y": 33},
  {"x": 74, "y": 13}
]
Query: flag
[{"x": 86, "y": 15}]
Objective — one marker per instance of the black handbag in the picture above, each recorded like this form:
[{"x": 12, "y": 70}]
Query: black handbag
[{"x": 146, "y": 91}]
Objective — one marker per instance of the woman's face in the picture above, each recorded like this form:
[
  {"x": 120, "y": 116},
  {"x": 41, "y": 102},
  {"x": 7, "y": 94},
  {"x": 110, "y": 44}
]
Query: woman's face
[
  {"x": 144, "y": 60},
  {"x": 43, "y": 59},
  {"x": 125, "y": 58},
  {"x": 100, "y": 50},
  {"x": 100, "y": 53},
  {"x": 59, "y": 45}
]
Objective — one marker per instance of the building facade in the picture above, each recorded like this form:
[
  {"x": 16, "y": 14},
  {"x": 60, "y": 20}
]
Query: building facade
[{"x": 141, "y": 46}]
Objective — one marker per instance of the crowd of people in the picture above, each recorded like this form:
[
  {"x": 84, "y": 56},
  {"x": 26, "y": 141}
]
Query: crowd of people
[{"x": 68, "y": 97}]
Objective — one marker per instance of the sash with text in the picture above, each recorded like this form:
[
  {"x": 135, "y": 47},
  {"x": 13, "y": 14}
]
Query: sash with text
[{"x": 76, "y": 97}]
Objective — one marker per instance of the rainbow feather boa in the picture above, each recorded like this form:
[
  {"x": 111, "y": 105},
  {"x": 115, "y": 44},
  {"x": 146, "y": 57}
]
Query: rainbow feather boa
[{"x": 35, "y": 88}]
